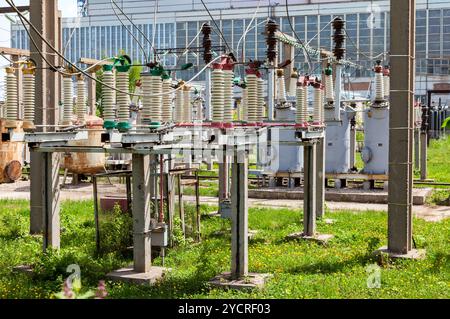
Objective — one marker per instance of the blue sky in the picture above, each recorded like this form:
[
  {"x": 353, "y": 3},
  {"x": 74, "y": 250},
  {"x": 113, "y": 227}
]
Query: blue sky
[{"x": 68, "y": 8}]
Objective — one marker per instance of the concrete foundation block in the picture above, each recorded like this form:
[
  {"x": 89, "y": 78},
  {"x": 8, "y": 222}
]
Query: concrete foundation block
[
  {"x": 412, "y": 254},
  {"x": 318, "y": 238},
  {"x": 130, "y": 276},
  {"x": 250, "y": 282}
]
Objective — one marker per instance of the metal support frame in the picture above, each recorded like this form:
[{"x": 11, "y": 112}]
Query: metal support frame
[
  {"x": 320, "y": 189},
  {"x": 310, "y": 195},
  {"x": 417, "y": 148},
  {"x": 423, "y": 155}
]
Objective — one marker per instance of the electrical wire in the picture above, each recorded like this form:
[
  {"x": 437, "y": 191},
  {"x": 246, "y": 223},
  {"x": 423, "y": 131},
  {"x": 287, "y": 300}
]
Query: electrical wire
[
  {"x": 73, "y": 31},
  {"x": 359, "y": 50},
  {"x": 217, "y": 26},
  {"x": 247, "y": 30},
  {"x": 132, "y": 23},
  {"x": 295, "y": 33}
]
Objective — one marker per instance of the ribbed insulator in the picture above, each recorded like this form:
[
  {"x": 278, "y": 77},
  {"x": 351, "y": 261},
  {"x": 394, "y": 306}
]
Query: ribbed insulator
[
  {"x": 379, "y": 86},
  {"x": 228, "y": 96},
  {"x": 81, "y": 102},
  {"x": 261, "y": 104},
  {"x": 252, "y": 98},
  {"x": 199, "y": 110},
  {"x": 12, "y": 100},
  {"x": 109, "y": 97},
  {"x": 179, "y": 111},
  {"x": 152, "y": 98},
  {"x": 244, "y": 108},
  {"x": 318, "y": 105},
  {"x": 187, "y": 107},
  {"x": 29, "y": 95},
  {"x": 167, "y": 101},
  {"x": 123, "y": 99},
  {"x": 329, "y": 90},
  {"x": 292, "y": 86},
  {"x": 281, "y": 89},
  {"x": 217, "y": 95},
  {"x": 302, "y": 106},
  {"x": 387, "y": 85},
  {"x": 67, "y": 100}
]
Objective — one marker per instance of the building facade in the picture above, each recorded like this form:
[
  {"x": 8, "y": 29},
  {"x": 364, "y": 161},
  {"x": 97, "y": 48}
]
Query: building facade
[{"x": 98, "y": 33}]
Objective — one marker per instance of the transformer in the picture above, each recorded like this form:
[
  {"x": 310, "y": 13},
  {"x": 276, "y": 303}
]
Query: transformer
[
  {"x": 375, "y": 153},
  {"x": 338, "y": 144},
  {"x": 285, "y": 158}
]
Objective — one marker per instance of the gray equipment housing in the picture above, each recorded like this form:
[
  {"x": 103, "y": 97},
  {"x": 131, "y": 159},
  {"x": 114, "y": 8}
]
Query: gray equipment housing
[
  {"x": 338, "y": 144},
  {"x": 375, "y": 153}
]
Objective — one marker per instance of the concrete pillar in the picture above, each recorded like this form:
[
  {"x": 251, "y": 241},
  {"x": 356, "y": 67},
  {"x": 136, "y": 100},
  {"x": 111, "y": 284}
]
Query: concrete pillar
[
  {"x": 401, "y": 126},
  {"x": 320, "y": 179},
  {"x": 239, "y": 220},
  {"x": 50, "y": 198},
  {"x": 310, "y": 195},
  {"x": 141, "y": 213},
  {"x": 44, "y": 16}
]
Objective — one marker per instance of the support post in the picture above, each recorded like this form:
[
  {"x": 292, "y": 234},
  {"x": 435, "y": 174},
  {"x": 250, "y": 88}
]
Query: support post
[
  {"x": 92, "y": 98},
  {"x": 310, "y": 201},
  {"x": 142, "y": 271},
  {"x": 44, "y": 16},
  {"x": 423, "y": 156},
  {"x": 141, "y": 213},
  {"x": 271, "y": 95},
  {"x": 401, "y": 130},
  {"x": 239, "y": 220},
  {"x": 320, "y": 187},
  {"x": 50, "y": 192},
  {"x": 416, "y": 148}
]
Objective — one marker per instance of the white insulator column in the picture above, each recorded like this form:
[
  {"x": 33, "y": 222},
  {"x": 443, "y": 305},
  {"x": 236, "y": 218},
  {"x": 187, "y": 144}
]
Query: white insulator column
[
  {"x": 67, "y": 100},
  {"x": 29, "y": 97},
  {"x": 123, "y": 100},
  {"x": 302, "y": 106},
  {"x": 217, "y": 95},
  {"x": 244, "y": 108},
  {"x": 379, "y": 87},
  {"x": 167, "y": 100},
  {"x": 252, "y": 98},
  {"x": 261, "y": 103},
  {"x": 281, "y": 86},
  {"x": 228, "y": 96},
  {"x": 387, "y": 85},
  {"x": 293, "y": 84},
  {"x": 81, "y": 100},
  {"x": 109, "y": 98},
  {"x": 12, "y": 100},
  {"x": 187, "y": 107},
  {"x": 318, "y": 105},
  {"x": 329, "y": 88},
  {"x": 152, "y": 99},
  {"x": 179, "y": 111}
]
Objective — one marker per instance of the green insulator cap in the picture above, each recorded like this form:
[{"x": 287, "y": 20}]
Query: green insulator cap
[
  {"x": 109, "y": 125},
  {"x": 108, "y": 67},
  {"x": 155, "y": 125},
  {"x": 165, "y": 75},
  {"x": 123, "y": 126},
  {"x": 156, "y": 72},
  {"x": 329, "y": 71},
  {"x": 186, "y": 66},
  {"x": 122, "y": 68}
]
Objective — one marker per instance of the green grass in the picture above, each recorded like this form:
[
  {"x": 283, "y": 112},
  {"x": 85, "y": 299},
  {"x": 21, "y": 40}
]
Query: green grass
[
  {"x": 300, "y": 269},
  {"x": 439, "y": 160}
]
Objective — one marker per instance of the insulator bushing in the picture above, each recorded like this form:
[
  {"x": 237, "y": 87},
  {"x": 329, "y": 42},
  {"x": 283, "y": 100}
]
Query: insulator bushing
[
  {"x": 12, "y": 100},
  {"x": 261, "y": 103},
  {"x": 252, "y": 98},
  {"x": 123, "y": 100},
  {"x": 244, "y": 105},
  {"x": 281, "y": 86},
  {"x": 318, "y": 104},
  {"x": 228, "y": 96},
  {"x": 29, "y": 96},
  {"x": 167, "y": 101},
  {"x": 109, "y": 97},
  {"x": 217, "y": 95},
  {"x": 152, "y": 98},
  {"x": 271, "y": 40},
  {"x": 187, "y": 113},
  {"x": 81, "y": 100},
  {"x": 339, "y": 38},
  {"x": 302, "y": 105},
  {"x": 67, "y": 100},
  {"x": 425, "y": 118},
  {"x": 179, "y": 110}
]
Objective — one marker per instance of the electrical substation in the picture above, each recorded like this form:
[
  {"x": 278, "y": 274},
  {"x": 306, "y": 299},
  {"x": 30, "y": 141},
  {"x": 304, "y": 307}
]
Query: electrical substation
[{"x": 296, "y": 125}]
